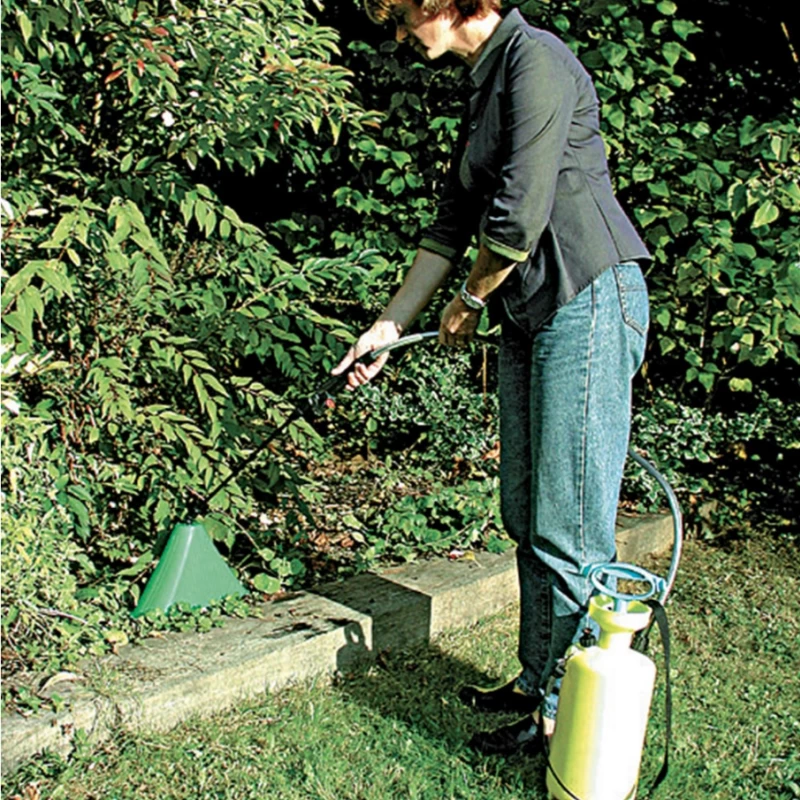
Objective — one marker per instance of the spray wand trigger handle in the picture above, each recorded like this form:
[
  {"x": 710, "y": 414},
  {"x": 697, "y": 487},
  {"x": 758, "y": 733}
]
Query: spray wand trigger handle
[{"x": 324, "y": 397}]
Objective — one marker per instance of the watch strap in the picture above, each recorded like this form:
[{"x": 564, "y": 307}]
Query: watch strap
[{"x": 470, "y": 300}]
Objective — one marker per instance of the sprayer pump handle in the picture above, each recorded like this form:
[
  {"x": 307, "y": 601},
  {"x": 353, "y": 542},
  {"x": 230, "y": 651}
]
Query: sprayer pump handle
[{"x": 598, "y": 572}]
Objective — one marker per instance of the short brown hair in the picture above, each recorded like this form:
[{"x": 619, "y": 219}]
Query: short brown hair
[{"x": 380, "y": 11}]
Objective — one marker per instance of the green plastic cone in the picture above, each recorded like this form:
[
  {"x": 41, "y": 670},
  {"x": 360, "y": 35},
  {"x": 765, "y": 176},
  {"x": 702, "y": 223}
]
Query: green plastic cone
[{"x": 190, "y": 570}]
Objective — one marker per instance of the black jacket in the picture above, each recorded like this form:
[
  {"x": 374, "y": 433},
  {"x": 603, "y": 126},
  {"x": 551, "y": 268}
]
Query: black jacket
[{"x": 530, "y": 176}]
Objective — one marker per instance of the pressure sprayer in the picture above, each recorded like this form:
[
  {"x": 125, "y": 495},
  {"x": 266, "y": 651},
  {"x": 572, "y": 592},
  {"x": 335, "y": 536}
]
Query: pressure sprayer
[{"x": 604, "y": 699}]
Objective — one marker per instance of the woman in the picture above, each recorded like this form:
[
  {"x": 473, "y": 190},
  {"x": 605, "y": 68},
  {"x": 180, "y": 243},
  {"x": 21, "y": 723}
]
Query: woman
[{"x": 558, "y": 262}]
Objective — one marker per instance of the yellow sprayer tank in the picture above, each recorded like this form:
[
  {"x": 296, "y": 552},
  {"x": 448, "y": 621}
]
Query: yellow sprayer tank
[{"x": 603, "y": 706}]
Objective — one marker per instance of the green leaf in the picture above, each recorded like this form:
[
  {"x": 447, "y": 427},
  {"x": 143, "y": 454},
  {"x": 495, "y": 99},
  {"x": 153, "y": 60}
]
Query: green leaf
[
  {"x": 266, "y": 583},
  {"x": 561, "y": 23},
  {"x": 694, "y": 359},
  {"x": 645, "y": 216},
  {"x": 211, "y": 223},
  {"x": 779, "y": 147},
  {"x": 745, "y": 250},
  {"x": 25, "y": 26},
  {"x": 684, "y": 28},
  {"x": 617, "y": 118},
  {"x": 793, "y": 324},
  {"x": 707, "y": 379},
  {"x": 593, "y": 59},
  {"x": 614, "y": 52},
  {"x": 678, "y": 222},
  {"x": 211, "y": 381},
  {"x": 659, "y": 189},
  {"x": 62, "y": 231},
  {"x": 767, "y": 213},
  {"x": 671, "y": 52},
  {"x": 59, "y": 281},
  {"x": 401, "y": 158}
]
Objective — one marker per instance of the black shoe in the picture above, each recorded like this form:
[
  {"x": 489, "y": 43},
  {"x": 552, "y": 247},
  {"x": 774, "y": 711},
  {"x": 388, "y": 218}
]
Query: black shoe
[
  {"x": 524, "y": 736},
  {"x": 507, "y": 698}
]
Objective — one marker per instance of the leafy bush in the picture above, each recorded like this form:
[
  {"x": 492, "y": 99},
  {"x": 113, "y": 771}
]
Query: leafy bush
[
  {"x": 150, "y": 333},
  {"x": 446, "y": 518},
  {"x": 728, "y": 469},
  {"x": 727, "y": 221},
  {"x": 431, "y": 408}
]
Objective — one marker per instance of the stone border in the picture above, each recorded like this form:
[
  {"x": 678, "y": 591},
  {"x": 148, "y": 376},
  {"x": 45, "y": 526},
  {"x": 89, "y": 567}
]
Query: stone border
[{"x": 160, "y": 682}]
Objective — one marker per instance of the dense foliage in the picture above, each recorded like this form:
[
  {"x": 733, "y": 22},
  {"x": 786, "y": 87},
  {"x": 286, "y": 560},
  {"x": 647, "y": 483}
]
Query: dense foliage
[
  {"x": 200, "y": 206},
  {"x": 135, "y": 297}
]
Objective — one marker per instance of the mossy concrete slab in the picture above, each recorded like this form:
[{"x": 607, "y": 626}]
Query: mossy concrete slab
[
  {"x": 640, "y": 536},
  {"x": 462, "y": 591},
  {"x": 160, "y": 682},
  {"x": 411, "y": 604}
]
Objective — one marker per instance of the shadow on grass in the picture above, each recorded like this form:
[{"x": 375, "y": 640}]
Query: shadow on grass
[{"x": 414, "y": 683}]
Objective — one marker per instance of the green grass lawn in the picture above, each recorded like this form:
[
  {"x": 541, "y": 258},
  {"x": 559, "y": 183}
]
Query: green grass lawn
[{"x": 397, "y": 729}]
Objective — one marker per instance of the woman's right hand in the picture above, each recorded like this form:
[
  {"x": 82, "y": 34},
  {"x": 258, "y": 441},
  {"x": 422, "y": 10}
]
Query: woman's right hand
[{"x": 383, "y": 332}]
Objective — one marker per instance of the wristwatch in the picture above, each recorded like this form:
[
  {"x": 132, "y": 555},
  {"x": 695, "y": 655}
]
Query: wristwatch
[{"x": 470, "y": 300}]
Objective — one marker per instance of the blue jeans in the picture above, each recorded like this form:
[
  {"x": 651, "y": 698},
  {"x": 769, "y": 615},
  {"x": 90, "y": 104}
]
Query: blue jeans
[{"x": 565, "y": 410}]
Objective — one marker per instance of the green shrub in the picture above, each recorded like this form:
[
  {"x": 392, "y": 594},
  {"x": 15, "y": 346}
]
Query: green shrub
[
  {"x": 431, "y": 407},
  {"x": 729, "y": 470},
  {"x": 446, "y": 518},
  {"x": 150, "y": 334}
]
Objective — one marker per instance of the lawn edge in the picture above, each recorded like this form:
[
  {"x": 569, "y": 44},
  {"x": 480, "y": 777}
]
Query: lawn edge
[{"x": 157, "y": 684}]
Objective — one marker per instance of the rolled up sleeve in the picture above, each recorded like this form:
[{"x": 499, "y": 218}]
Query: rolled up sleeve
[{"x": 540, "y": 100}]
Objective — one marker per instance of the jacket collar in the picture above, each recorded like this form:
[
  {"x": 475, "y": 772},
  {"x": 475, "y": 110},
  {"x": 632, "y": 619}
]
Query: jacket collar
[{"x": 511, "y": 23}]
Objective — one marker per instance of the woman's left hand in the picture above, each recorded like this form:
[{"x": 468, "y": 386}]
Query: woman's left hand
[{"x": 458, "y": 323}]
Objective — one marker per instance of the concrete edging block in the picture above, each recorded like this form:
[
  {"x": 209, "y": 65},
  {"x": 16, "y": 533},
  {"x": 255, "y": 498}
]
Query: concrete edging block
[{"x": 159, "y": 683}]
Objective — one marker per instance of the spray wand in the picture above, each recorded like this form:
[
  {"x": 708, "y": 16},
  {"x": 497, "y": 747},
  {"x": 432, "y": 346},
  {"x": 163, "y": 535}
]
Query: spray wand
[{"x": 316, "y": 402}]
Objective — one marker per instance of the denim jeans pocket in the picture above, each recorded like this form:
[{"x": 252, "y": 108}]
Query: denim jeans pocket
[{"x": 633, "y": 298}]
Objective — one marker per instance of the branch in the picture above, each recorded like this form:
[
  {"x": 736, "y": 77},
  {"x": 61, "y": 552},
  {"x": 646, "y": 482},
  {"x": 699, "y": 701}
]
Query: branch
[
  {"x": 789, "y": 42},
  {"x": 54, "y": 612}
]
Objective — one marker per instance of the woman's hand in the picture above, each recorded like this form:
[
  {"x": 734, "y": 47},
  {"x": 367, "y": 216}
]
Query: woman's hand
[
  {"x": 458, "y": 323},
  {"x": 383, "y": 332}
]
